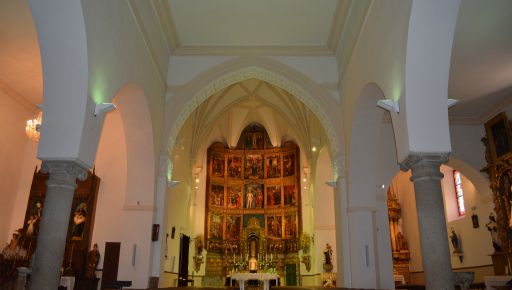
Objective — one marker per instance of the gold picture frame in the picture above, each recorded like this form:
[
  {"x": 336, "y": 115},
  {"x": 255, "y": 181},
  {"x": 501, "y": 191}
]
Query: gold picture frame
[{"x": 499, "y": 137}]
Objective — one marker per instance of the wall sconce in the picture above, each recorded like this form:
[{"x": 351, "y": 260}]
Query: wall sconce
[
  {"x": 389, "y": 105},
  {"x": 103, "y": 108}
]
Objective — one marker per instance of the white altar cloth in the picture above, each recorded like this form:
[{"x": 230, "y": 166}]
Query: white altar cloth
[
  {"x": 265, "y": 277},
  {"x": 491, "y": 281}
]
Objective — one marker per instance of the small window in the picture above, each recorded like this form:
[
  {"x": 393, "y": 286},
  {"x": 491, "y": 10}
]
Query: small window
[{"x": 459, "y": 193}]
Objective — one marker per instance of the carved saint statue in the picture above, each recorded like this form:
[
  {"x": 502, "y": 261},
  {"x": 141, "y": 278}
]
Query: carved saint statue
[
  {"x": 93, "y": 257},
  {"x": 492, "y": 227}
]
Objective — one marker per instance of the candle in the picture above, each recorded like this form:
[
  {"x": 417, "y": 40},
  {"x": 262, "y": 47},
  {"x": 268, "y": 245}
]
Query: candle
[{"x": 271, "y": 257}]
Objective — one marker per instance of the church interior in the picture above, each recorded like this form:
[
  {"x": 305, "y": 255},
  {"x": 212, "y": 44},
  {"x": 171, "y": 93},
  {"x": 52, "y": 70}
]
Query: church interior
[{"x": 303, "y": 143}]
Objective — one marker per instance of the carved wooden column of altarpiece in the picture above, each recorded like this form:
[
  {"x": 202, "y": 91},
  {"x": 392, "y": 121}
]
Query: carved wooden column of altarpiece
[
  {"x": 81, "y": 221},
  {"x": 499, "y": 169},
  {"x": 252, "y": 193},
  {"x": 399, "y": 246}
]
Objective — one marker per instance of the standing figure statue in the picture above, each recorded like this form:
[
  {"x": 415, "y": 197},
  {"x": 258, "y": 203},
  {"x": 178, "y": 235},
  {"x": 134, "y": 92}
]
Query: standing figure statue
[
  {"x": 328, "y": 258},
  {"x": 492, "y": 227},
  {"x": 93, "y": 257}
]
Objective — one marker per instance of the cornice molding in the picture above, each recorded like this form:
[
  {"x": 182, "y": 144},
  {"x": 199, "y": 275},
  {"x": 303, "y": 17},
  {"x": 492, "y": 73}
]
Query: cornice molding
[
  {"x": 19, "y": 98},
  {"x": 221, "y": 50}
]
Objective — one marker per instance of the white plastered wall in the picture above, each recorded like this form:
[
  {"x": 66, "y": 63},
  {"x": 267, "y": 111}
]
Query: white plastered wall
[{"x": 18, "y": 155}]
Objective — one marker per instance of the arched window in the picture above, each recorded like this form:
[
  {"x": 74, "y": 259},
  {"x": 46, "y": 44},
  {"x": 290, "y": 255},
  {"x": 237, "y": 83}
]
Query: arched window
[{"x": 459, "y": 193}]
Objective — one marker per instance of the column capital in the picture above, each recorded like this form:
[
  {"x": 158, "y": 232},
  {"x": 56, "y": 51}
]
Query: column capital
[
  {"x": 64, "y": 172},
  {"x": 424, "y": 165}
]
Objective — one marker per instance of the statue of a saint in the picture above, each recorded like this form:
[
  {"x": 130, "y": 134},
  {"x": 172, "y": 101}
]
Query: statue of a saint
[
  {"x": 455, "y": 242},
  {"x": 328, "y": 258},
  {"x": 93, "y": 257},
  {"x": 492, "y": 227}
]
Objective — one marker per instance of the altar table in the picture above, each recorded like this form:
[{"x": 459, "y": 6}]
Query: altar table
[
  {"x": 265, "y": 277},
  {"x": 492, "y": 281}
]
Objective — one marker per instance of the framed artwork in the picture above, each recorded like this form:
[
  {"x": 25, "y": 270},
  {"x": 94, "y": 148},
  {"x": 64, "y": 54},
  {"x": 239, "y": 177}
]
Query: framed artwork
[
  {"x": 274, "y": 226},
  {"x": 234, "y": 196},
  {"x": 273, "y": 195},
  {"x": 253, "y": 195},
  {"x": 233, "y": 227},
  {"x": 259, "y": 217},
  {"x": 254, "y": 166},
  {"x": 273, "y": 166},
  {"x": 235, "y": 166},
  {"x": 217, "y": 195},
  {"x": 499, "y": 136},
  {"x": 215, "y": 229},
  {"x": 290, "y": 196},
  {"x": 290, "y": 225},
  {"x": 218, "y": 166},
  {"x": 289, "y": 164}
]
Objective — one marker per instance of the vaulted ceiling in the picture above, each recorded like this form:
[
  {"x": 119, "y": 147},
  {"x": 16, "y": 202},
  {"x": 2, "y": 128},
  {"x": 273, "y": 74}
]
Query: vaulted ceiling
[{"x": 481, "y": 65}]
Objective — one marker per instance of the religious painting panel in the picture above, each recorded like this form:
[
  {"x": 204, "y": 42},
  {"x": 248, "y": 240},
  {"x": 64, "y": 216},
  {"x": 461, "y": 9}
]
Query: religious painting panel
[
  {"x": 215, "y": 226},
  {"x": 217, "y": 195},
  {"x": 233, "y": 227},
  {"x": 253, "y": 195},
  {"x": 499, "y": 136},
  {"x": 273, "y": 194},
  {"x": 259, "y": 217},
  {"x": 254, "y": 166},
  {"x": 289, "y": 164},
  {"x": 274, "y": 226},
  {"x": 505, "y": 198},
  {"x": 235, "y": 166},
  {"x": 273, "y": 166},
  {"x": 234, "y": 196},
  {"x": 290, "y": 195},
  {"x": 290, "y": 225},
  {"x": 218, "y": 164}
]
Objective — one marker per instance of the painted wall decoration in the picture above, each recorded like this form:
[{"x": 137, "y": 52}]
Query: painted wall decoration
[{"x": 253, "y": 180}]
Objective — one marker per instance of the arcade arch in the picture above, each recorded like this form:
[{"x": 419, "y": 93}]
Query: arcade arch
[{"x": 247, "y": 94}]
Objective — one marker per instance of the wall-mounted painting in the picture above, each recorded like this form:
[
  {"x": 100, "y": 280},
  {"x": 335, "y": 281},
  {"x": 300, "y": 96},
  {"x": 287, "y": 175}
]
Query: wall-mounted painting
[
  {"x": 290, "y": 225},
  {"x": 253, "y": 195},
  {"x": 235, "y": 166},
  {"x": 218, "y": 166},
  {"x": 273, "y": 195},
  {"x": 233, "y": 227},
  {"x": 259, "y": 217},
  {"x": 234, "y": 196},
  {"x": 254, "y": 166},
  {"x": 273, "y": 166},
  {"x": 499, "y": 136},
  {"x": 274, "y": 226},
  {"x": 289, "y": 164},
  {"x": 215, "y": 226},
  {"x": 290, "y": 196},
  {"x": 217, "y": 195}
]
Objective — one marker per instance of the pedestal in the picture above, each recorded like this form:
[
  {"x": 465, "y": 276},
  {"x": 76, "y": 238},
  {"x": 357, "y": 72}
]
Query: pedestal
[{"x": 499, "y": 262}]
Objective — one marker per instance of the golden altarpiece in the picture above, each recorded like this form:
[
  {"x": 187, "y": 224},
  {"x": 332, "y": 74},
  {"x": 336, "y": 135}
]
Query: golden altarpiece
[
  {"x": 253, "y": 207},
  {"x": 499, "y": 168},
  {"x": 399, "y": 245}
]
